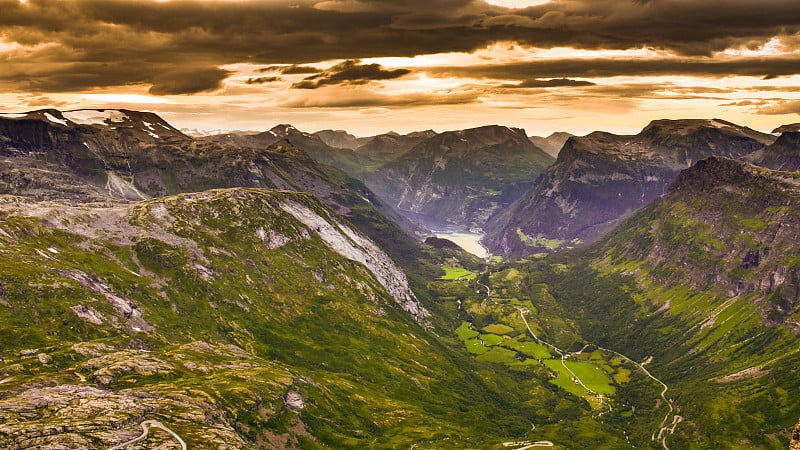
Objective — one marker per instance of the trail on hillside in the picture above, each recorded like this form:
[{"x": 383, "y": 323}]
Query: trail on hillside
[{"x": 146, "y": 425}]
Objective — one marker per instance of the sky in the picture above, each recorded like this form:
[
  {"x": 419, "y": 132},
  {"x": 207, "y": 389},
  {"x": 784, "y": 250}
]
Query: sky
[{"x": 371, "y": 66}]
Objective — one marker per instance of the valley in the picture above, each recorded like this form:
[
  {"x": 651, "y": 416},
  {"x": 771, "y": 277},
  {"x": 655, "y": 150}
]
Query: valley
[{"x": 283, "y": 289}]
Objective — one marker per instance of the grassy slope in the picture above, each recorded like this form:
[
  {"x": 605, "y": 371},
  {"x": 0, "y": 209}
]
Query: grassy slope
[{"x": 196, "y": 269}]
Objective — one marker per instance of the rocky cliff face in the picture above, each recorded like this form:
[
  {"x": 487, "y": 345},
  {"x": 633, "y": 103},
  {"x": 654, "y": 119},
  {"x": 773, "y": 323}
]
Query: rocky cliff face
[
  {"x": 461, "y": 177},
  {"x": 724, "y": 226},
  {"x": 600, "y": 178}
]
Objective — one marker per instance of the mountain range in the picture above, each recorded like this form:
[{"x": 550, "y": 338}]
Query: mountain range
[
  {"x": 270, "y": 290},
  {"x": 601, "y": 178}
]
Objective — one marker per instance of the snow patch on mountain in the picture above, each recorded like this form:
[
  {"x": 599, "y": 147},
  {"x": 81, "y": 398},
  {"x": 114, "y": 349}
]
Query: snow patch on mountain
[
  {"x": 95, "y": 116},
  {"x": 54, "y": 119}
]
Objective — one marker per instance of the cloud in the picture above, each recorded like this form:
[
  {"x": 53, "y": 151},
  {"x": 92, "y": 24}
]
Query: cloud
[
  {"x": 601, "y": 68},
  {"x": 262, "y": 80},
  {"x": 345, "y": 98},
  {"x": 744, "y": 103},
  {"x": 188, "y": 81},
  {"x": 177, "y": 47},
  {"x": 291, "y": 70},
  {"x": 554, "y": 82},
  {"x": 780, "y": 107},
  {"x": 349, "y": 72}
]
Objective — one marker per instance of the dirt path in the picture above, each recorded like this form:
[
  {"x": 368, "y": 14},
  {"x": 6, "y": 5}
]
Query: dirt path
[
  {"x": 528, "y": 444},
  {"x": 146, "y": 425}
]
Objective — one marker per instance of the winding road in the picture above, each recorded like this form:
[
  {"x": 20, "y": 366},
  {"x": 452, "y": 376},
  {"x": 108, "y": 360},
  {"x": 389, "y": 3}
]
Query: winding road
[
  {"x": 659, "y": 435},
  {"x": 146, "y": 425}
]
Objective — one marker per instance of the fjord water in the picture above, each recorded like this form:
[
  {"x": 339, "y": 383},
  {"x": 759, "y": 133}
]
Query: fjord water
[{"x": 470, "y": 242}]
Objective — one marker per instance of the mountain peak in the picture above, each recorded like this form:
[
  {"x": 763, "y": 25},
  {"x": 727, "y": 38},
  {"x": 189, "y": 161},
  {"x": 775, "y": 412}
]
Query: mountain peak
[
  {"x": 283, "y": 129},
  {"x": 147, "y": 123},
  {"x": 783, "y": 154},
  {"x": 683, "y": 127}
]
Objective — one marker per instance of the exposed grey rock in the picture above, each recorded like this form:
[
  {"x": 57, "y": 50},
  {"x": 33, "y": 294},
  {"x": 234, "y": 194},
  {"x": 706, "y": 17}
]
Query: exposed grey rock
[
  {"x": 88, "y": 313},
  {"x": 294, "y": 401},
  {"x": 356, "y": 247},
  {"x": 121, "y": 305}
]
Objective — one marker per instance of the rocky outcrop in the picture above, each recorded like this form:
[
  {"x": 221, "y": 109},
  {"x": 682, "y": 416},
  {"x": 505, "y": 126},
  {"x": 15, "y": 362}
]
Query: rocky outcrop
[{"x": 795, "y": 444}]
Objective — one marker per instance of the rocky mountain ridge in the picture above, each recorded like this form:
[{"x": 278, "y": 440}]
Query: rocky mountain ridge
[
  {"x": 600, "y": 178},
  {"x": 553, "y": 143},
  {"x": 82, "y": 163},
  {"x": 341, "y": 158},
  {"x": 461, "y": 177},
  {"x": 795, "y": 127}
]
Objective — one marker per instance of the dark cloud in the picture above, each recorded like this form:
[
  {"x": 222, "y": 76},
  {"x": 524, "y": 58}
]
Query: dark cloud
[
  {"x": 82, "y": 44},
  {"x": 554, "y": 82},
  {"x": 188, "y": 81},
  {"x": 262, "y": 80},
  {"x": 291, "y": 70},
  {"x": 595, "y": 68},
  {"x": 350, "y": 72}
]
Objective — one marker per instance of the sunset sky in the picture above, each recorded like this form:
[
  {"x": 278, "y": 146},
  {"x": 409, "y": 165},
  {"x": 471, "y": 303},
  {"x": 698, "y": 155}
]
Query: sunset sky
[{"x": 370, "y": 66}]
